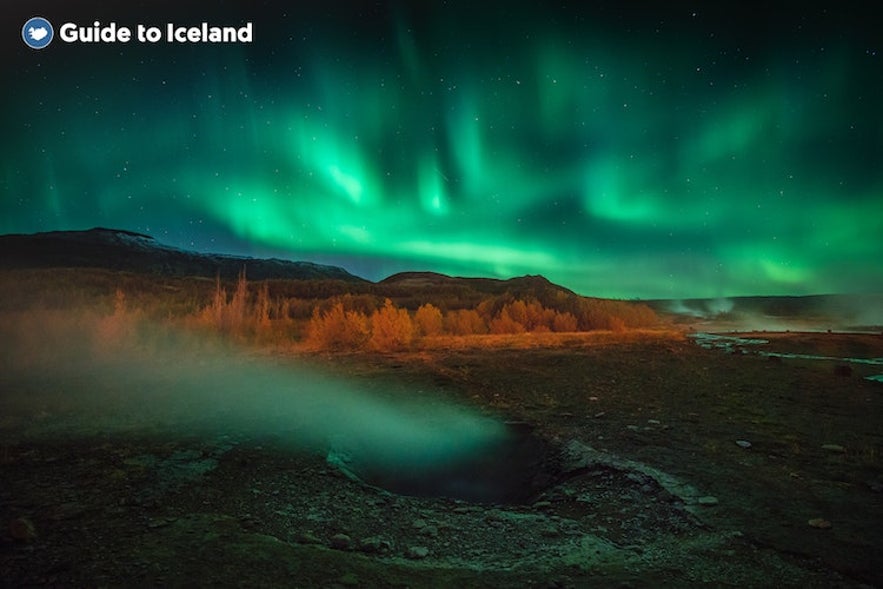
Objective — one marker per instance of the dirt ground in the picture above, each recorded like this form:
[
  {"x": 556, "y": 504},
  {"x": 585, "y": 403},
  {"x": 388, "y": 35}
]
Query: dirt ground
[{"x": 663, "y": 464}]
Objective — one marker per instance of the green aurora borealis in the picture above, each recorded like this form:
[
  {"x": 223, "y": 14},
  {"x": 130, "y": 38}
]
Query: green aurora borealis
[{"x": 669, "y": 151}]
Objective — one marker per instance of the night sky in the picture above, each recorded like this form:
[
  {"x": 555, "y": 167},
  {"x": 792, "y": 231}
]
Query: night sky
[{"x": 620, "y": 149}]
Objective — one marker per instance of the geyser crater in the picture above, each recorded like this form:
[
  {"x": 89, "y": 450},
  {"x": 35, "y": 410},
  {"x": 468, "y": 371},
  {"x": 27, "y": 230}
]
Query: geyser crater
[{"x": 511, "y": 470}]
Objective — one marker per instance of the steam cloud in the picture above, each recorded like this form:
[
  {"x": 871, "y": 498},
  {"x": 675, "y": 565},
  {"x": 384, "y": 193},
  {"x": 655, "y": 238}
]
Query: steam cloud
[{"x": 181, "y": 384}]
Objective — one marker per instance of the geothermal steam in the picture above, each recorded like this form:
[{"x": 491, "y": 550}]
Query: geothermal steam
[{"x": 176, "y": 384}]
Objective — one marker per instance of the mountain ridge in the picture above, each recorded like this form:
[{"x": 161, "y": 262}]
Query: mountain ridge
[
  {"x": 120, "y": 249},
  {"x": 426, "y": 279},
  {"x": 126, "y": 250}
]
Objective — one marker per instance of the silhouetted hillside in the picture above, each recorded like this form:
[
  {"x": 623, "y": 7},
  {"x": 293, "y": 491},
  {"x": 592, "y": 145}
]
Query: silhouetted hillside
[
  {"x": 296, "y": 290},
  {"x": 523, "y": 284},
  {"x": 116, "y": 249}
]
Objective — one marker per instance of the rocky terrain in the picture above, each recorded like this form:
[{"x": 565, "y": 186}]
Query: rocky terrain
[{"x": 657, "y": 463}]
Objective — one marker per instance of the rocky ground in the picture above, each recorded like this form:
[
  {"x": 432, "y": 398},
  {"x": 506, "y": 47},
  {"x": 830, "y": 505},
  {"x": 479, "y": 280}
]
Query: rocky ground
[{"x": 662, "y": 464}]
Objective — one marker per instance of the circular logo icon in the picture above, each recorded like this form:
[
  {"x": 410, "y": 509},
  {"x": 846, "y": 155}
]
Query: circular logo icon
[{"x": 37, "y": 32}]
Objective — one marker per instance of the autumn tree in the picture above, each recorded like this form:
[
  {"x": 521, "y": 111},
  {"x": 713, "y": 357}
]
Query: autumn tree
[
  {"x": 391, "y": 328},
  {"x": 564, "y": 322},
  {"x": 510, "y": 319},
  {"x": 464, "y": 322},
  {"x": 428, "y": 320},
  {"x": 337, "y": 328}
]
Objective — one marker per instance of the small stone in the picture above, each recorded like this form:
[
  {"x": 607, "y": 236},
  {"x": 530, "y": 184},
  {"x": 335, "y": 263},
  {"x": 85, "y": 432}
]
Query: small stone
[
  {"x": 373, "y": 545},
  {"x": 550, "y": 532},
  {"x": 307, "y": 538},
  {"x": 819, "y": 523},
  {"x": 494, "y": 516},
  {"x": 429, "y": 531},
  {"x": 419, "y": 523},
  {"x": 341, "y": 542},
  {"x": 600, "y": 414},
  {"x": 542, "y": 504},
  {"x": 158, "y": 523},
  {"x": 708, "y": 500},
  {"x": 22, "y": 530},
  {"x": 743, "y": 444},
  {"x": 633, "y": 428},
  {"x": 653, "y": 421},
  {"x": 417, "y": 552},
  {"x": 636, "y": 477},
  {"x": 836, "y": 448}
]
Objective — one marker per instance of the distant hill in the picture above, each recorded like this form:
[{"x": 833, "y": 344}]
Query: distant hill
[
  {"x": 523, "y": 284},
  {"x": 116, "y": 249}
]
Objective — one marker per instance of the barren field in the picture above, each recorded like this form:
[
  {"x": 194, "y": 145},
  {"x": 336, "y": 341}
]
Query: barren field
[{"x": 632, "y": 460}]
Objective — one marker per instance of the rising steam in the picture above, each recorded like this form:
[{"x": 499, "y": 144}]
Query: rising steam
[{"x": 69, "y": 380}]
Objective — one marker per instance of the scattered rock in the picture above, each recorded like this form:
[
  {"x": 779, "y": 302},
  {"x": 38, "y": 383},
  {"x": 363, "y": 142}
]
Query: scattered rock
[
  {"x": 819, "y": 523},
  {"x": 419, "y": 524},
  {"x": 743, "y": 444},
  {"x": 633, "y": 428},
  {"x": 542, "y": 504},
  {"x": 374, "y": 545},
  {"x": 341, "y": 542},
  {"x": 550, "y": 532},
  {"x": 494, "y": 516},
  {"x": 707, "y": 500},
  {"x": 417, "y": 552},
  {"x": 653, "y": 421},
  {"x": 307, "y": 538},
  {"x": 835, "y": 448},
  {"x": 22, "y": 530},
  {"x": 637, "y": 477}
]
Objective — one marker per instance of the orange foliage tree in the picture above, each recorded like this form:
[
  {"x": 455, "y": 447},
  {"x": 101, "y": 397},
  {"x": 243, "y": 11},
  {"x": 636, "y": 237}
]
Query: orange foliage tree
[
  {"x": 428, "y": 320},
  {"x": 464, "y": 322},
  {"x": 391, "y": 328},
  {"x": 337, "y": 328},
  {"x": 511, "y": 319}
]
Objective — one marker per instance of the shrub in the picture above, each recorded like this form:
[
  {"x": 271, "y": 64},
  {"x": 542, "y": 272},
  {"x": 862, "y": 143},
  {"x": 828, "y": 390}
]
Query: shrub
[
  {"x": 337, "y": 329},
  {"x": 506, "y": 321},
  {"x": 391, "y": 328},
  {"x": 428, "y": 320},
  {"x": 465, "y": 322},
  {"x": 564, "y": 322}
]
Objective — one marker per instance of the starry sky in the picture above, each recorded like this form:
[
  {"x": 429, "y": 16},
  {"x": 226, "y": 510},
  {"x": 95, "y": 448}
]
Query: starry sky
[{"x": 621, "y": 149}]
